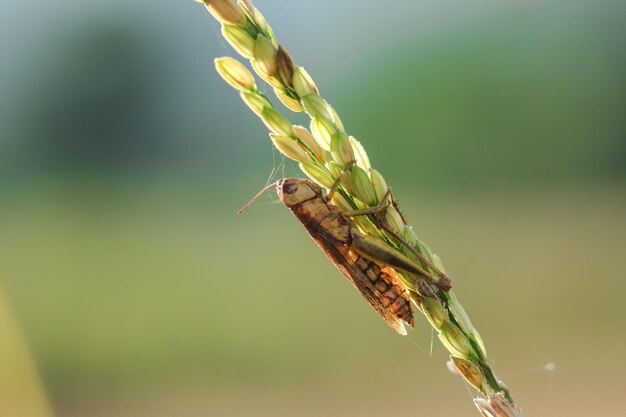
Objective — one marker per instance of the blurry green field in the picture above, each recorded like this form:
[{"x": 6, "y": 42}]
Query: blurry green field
[
  {"x": 124, "y": 158},
  {"x": 134, "y": 288}
]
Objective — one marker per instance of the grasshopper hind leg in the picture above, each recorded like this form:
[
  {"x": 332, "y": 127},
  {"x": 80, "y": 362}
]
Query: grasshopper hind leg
[{"x": 377, "y": 250}]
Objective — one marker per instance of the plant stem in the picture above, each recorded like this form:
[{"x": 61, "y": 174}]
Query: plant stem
[{"x": 322, "y": 153}]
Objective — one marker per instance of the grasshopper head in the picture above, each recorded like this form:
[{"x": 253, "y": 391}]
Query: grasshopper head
[{"x": 292, "y": 191}]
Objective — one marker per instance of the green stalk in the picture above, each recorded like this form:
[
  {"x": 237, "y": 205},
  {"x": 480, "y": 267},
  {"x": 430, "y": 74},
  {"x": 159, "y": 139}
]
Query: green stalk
[{"x": 322, "y": 152}]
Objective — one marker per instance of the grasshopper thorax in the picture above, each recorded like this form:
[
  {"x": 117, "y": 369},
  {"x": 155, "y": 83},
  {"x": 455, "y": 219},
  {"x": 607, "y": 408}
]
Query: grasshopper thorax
[{"x": 293, "y": 191}]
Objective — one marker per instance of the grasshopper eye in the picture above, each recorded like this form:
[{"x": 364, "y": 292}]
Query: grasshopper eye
[
  {"x": 292, "y": 191},
  {"x": 289, "y": 187}
]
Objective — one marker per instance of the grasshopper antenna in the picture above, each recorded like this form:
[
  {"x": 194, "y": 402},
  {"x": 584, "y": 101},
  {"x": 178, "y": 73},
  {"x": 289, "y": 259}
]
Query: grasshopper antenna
[{"x": 257, "y": 196}]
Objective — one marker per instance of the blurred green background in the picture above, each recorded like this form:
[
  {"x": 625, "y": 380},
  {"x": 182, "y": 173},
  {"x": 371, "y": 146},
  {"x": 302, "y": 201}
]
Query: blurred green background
[{"x": 140, "y": 292}]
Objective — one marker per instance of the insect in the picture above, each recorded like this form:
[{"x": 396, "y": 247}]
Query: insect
[{"x": 367, "y": 262}]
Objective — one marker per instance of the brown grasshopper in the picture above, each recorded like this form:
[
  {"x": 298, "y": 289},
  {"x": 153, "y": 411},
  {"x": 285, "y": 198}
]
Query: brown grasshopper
[{"x": 368, "y": 262}]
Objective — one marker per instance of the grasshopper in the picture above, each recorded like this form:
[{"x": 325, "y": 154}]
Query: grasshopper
[{"x": 368, "y": 263}]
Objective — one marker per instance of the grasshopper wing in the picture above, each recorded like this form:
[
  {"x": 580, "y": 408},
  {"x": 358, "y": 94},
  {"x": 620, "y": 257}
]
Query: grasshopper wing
[{"x": 376, "y": 284}]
